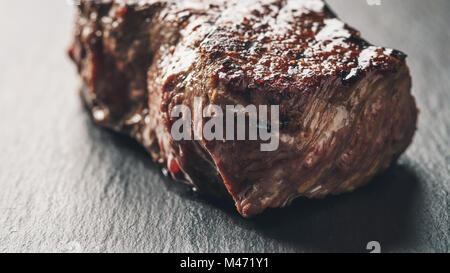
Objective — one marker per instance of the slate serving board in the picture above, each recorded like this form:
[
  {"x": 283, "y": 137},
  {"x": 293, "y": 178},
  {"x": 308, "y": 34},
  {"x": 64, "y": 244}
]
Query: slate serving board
[{"x": 69, "y": 186}]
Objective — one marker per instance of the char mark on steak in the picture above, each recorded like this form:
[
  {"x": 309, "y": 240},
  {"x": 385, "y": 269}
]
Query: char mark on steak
[{"x": 346, "y": 109}]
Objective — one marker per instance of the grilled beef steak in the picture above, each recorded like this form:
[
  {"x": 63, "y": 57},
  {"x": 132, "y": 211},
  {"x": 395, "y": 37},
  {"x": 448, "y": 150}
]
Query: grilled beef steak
[{"x": 346, "y": 111}]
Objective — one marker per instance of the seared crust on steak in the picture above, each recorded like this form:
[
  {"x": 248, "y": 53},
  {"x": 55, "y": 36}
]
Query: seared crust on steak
[{"x": 346, "y": 110}]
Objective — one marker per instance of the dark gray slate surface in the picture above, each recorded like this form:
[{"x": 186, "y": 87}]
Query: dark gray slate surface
[{"x": 66, "y": 185}]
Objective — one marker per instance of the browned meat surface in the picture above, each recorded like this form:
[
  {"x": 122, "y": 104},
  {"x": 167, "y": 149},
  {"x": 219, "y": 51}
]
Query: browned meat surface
[{"x": 346, "y": 111}]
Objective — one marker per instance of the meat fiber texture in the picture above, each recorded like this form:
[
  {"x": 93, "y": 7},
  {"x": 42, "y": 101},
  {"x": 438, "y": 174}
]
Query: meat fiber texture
[{"x": 346, "y": 110}]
